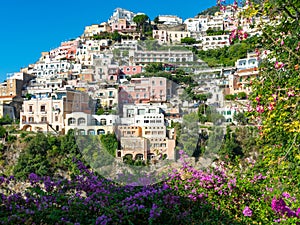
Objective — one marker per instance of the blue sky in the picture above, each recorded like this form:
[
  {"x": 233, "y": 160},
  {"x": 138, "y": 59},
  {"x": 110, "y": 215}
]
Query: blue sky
[{"x": 31, "y": 27}]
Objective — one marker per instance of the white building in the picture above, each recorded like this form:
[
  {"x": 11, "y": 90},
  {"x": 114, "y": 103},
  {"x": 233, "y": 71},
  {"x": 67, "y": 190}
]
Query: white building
[
  {"x": 214, "y": 42},
  {"x": 120, "y": 13},
  {"x": 87, "y": 124},
  {"x": 170, "y": 19}
]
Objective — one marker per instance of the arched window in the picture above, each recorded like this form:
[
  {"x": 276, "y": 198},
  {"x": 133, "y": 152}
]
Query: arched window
[
  {"x": 100, "y": 131},
  {"x": 91, "y": 132},
  {"x": 71, "y": 121},
  {"x": 81, "y": 121},
  {"x": 81, "y": 132}
]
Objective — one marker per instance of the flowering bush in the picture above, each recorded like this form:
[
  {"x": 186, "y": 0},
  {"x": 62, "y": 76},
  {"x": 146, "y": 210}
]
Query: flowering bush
[{"x": 214, "y": 196}]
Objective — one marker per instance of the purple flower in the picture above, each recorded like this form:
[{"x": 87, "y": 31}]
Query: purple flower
[
  {"x": 154, "y": 212},
  {"x": 2, "y": 180},
  {"x": 247, "y": 211},
  {"x": 102, "y": 220},
  {"x": 286, "y": 195},
  {"x": 298, "y": 212}
]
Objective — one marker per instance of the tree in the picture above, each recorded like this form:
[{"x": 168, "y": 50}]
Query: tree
[
  {"x": 230, "y": 148},
  {"x": 276, "y": 91},
  {"x": 240, "y": 118},
  {"x": 156, "y": 20},
  {"x": 154, "y": 67},
  {"x": 140, "y": 21},
  {"x": 116, "y": 36}
]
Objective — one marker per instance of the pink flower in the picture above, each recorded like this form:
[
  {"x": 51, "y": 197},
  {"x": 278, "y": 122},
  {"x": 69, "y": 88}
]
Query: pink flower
[
  {"x": 260, "y": 109},
  {"x": 282, "y": 42},
  {"x": 274, "y": 96},
  {"x": 298, "y": 212},
  {"x": 247, "y": 211},
  {"x": 291, "y": 93},
  {"x": 257, "y": 99},
  {"x": 278, "y": 65},
  {"x": 271, "y": 107}
]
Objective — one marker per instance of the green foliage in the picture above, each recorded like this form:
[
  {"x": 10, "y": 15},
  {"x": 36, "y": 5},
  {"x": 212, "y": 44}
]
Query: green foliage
[
  {"x": 11, "y": 138},
  {"x": 154, "y": 67},
  {"x": 178, "y": 79},
  {"x": 5, "y": 120},
  {"x": 211, "y": 32},
  {"x": 209, "y": 114},
  {"x": 242, "y": 95},
  {"x": 110, "y": 143},
  {"x": 45, "y": 155},
  {"x": 116, "y": 36},
  {"x": 210, "y": 11},
  {"x": 228, "y": 56},
  {"x": 2, "y": 132},
  {"x": 142, "y": 22},
  {"x": 276, "y": 92},
  {"x": 230, "y": 97},
  {"x": 230, "y": 148},
  {"x": 100, "y": 111},
  {"x": 241, "y": 118},
  {"x": 188, "y": 40}
]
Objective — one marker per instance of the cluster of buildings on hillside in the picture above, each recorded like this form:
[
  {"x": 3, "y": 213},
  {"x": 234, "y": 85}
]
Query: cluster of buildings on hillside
[{"x": 67, "y": 85}]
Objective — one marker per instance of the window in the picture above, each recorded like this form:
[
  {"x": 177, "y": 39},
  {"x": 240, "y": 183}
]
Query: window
[
  {"x": 43, "y": 108},
  {"x": 81, "y": 121},
  {"x": 103, "y": 122},
  {"x": 141, "y": 112},
  {"x": 56, "y": 118},
  {"x": 30, "y": 108},
  {"x": 71, "y": 121},
  {"x": 44, "y": 119},
  {"x": 31, "y": 119}
]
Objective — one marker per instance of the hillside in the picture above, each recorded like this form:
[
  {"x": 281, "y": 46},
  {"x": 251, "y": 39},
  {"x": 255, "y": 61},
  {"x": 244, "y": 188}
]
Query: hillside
[{"x": 250, "y": 177}]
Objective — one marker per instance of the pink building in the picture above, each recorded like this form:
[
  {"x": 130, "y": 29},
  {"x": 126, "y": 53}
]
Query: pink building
[
  {"x": 131, "y": 70},
  {"x": 113, "y": 74},
  {"x": 122, "y": 25},
  {"x": 147, "y": 89}
]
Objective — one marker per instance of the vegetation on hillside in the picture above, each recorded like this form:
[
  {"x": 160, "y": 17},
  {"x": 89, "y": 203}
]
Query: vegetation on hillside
[
  {"x": 228, "y": 56},
  {"x": 210, "y": 11}
]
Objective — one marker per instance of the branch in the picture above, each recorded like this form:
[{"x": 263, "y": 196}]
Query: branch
[
  {"x": 284, "y": 47},
  {"x": 290, "y": 147},
  {"x": 284, "y": 8}
]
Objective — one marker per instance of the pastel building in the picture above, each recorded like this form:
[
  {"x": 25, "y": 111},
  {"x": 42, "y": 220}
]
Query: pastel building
[
  {"x": 147, "y": 89},
  {"x": 88, "y": 124},
  {"x": 50, "y": 68},
  {"x": 96, "y": 29},
  {"x": 67, "y": 50},
  {"x": 144, "y": 124},
  {"x": 131, "y": 70},
  {"x": 142, "y": 58},
  {"x": 214, "y": 42},
  {"x": 46, "y": 112},
  {"x": 107, "y": 96},
  {"x": 247, "y": 69},
  {"x": 168, "y": 36}
]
